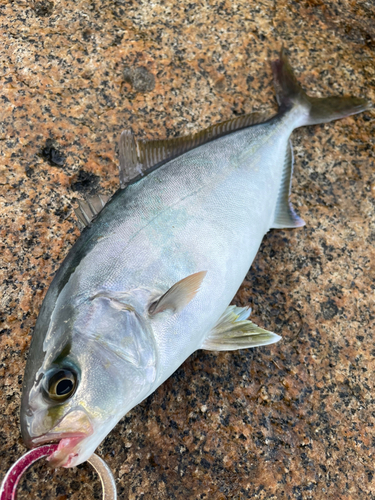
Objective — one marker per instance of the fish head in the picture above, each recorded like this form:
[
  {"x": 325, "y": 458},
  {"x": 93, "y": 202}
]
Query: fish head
[{"x": 96, "y": 362}]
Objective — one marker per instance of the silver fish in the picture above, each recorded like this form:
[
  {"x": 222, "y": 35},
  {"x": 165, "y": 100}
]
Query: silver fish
[{"x": 150, "y": 279}]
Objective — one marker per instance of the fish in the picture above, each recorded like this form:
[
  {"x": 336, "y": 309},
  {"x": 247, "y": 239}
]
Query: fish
[{"x": 150, "y": 279}]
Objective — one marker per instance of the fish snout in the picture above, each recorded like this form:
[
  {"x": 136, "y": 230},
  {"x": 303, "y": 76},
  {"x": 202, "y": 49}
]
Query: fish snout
[{"x": 70, "y": 430}]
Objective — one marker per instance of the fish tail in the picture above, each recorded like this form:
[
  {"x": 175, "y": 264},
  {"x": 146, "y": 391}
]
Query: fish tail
[{"x": 313, "y": 110}]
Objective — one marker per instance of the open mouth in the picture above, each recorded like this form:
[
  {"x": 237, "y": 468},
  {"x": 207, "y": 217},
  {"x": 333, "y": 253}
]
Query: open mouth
[
  {"x": 69, "y": 433},
  {"x": 67, "y": 448},
  {"x": 66, "y": 452}
]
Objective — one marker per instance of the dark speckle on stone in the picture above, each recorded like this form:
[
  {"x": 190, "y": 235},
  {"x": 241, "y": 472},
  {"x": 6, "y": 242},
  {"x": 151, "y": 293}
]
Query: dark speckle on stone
[
  {"x": 140, "y": 79},
  {"x": 43, "y": 8},
  {"x": 329, "y": 309},
  {"x": 153, "y": 460},
  {"x": 28, "y": 171},
  {"x": 128, "y": 75},
  {"x": 85, "y": 182},
  {"x": 60, "y": 490},
  {"x": 87, "y": 35},
  {"x": 52, "y": 154}
]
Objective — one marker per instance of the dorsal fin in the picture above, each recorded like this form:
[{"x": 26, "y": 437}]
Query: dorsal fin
[
  {"x": 285, "y": 216},
  {"x": 139, "y": 157},
  {"x": 130, "y": 160},
  {"x": 88, "y": 209}
]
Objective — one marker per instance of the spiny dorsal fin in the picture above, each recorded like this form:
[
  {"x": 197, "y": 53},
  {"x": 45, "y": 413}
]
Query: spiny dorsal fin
[
  {"x": 130, "y": 161},
  {"x": 138, "y": 157},
  {"x": 179, "y": 295},
  {"x": 88, "y": 209},
  {"x": 234, "y": 331},
  {"x": 285, "y": 216}
]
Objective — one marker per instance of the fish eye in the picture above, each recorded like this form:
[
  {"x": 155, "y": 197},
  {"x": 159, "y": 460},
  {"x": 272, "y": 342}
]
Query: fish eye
[{"x": 61, "y": 384}]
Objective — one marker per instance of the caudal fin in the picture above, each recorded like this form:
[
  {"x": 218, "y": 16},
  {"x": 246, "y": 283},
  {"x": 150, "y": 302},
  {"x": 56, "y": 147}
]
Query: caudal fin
[{"x": 313, "y": 110}]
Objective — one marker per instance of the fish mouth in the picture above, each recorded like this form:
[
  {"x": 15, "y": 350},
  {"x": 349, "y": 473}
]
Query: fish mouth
[
  {"x": 69, "y": 433},
  {"x": 66, "y": 450}
]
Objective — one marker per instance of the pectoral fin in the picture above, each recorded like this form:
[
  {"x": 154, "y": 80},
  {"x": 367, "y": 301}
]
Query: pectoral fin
[
  {"x": 235, "y": 331},
  {"x": 179, "y": 295}
]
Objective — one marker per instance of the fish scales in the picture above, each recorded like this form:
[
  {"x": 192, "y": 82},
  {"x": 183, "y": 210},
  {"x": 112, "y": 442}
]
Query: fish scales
[
  {"x": 150, "y": 279},
  {"x": 203, "y": 208}
]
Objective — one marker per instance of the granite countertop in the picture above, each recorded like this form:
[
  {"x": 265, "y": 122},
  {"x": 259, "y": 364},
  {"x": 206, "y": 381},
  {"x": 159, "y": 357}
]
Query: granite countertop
[{"x": 291, "y": 421}]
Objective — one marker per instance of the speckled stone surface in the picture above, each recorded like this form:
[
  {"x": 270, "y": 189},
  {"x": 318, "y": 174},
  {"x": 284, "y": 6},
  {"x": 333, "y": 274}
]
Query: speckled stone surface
[{"x": 290, "y": 421}]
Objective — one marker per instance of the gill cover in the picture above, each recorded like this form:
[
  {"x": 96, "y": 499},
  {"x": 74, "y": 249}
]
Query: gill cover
[{"x": 116, "y": 322}]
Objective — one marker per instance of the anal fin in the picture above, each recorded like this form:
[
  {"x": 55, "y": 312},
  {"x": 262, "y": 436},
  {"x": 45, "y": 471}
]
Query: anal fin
[
  {"x": 235, "y": 331},
  {"x": 285, "y": 216}
]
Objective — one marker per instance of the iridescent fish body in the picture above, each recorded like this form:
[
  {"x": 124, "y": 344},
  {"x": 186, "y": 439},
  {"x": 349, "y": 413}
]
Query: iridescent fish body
[{"x": 150, "y": 279}]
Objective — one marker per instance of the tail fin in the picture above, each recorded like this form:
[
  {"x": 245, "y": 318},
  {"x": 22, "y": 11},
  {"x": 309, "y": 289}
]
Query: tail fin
[{"x": 289, "y": 93}]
